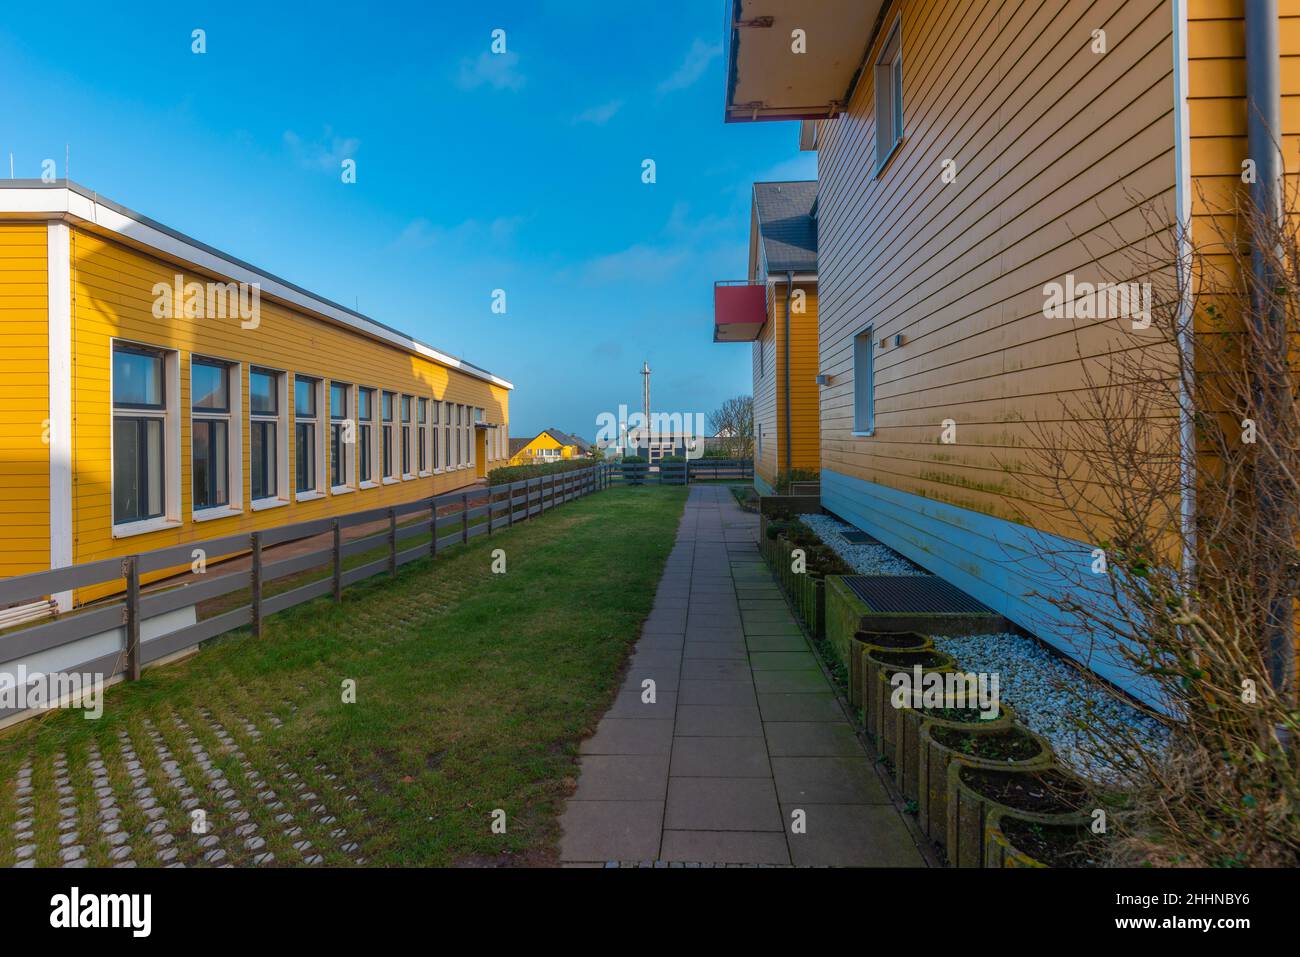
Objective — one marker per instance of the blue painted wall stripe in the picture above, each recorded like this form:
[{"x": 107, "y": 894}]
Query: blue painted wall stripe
[{"x": 990, "y": 558}]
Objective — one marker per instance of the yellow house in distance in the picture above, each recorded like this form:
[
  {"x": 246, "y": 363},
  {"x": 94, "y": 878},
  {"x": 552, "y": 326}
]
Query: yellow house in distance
[
  {"x": 158, "y": 391},
  {"x": 549, "y": 445},
  {"x": 775, "y": 309}
]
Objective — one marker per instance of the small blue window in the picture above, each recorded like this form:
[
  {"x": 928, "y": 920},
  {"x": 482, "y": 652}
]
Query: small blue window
[{"x": 864, "y": 383}]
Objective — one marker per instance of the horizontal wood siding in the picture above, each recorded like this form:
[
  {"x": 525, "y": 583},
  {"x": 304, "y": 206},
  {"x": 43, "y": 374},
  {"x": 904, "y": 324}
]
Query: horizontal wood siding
[
  {"x": 805, "y": 404},
  {"x": 112, "y": 297},
  {"x": 24, "y": 399},
  {"x": 1057, "y": 149},
  {"x": 765, "y": 409}
]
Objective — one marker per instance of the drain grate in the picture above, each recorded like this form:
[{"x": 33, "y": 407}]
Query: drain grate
[
  {"x": 855, "y": 536},
  {"x": 913, "y": 594}
]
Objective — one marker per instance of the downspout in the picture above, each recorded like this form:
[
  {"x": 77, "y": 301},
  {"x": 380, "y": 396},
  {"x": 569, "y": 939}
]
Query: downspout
[
  {"x": 1185, "y": 325},
  {"x": 1264, "y": 132},
  {"x": 789, "y": 437}
]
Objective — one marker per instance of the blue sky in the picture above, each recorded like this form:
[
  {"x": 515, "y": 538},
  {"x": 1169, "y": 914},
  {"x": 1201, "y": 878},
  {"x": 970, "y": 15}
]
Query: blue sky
[{"x": 475, "y": 171}]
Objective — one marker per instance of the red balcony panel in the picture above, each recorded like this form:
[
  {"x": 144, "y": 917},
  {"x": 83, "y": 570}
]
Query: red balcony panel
[{"x": 739, "y": 311}]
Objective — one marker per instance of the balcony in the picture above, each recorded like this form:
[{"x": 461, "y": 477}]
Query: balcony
[
  {"x": 739, "y": 310},
  {"x": 766, "y": 80}
]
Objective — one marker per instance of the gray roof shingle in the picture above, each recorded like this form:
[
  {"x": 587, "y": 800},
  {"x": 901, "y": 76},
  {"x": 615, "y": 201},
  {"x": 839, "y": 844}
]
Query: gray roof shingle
[{"x": 786, "y": 225}]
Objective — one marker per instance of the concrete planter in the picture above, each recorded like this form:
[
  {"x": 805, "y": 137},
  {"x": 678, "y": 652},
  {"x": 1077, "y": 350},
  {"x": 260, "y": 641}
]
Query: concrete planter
[
  {"x": 864, "y": 641},
  {"x": 1001, "y": 851},
  {"x": 933, "y": 761},
  {"x": 1044, "y": 791},
  {"x": 844, "y": 617},
  {"x": 805, "y": 593},
  {"x": 907, "y": 738},
  {"x": 878, "y": 667}
]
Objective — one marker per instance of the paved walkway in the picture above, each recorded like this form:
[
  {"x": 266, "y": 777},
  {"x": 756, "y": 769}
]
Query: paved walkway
[{"x": 744, "y": 731}]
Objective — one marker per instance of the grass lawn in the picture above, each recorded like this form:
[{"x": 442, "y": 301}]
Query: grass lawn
[{"x": 472, "y": 692}]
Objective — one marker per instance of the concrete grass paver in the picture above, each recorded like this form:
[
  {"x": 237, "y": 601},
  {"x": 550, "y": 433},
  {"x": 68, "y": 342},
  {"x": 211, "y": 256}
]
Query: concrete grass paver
[{"x": 745, "y": 735}]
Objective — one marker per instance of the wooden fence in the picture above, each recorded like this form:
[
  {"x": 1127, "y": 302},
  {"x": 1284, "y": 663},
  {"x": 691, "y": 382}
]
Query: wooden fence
[
  {"x": 682, "y": 473},
  {"x": 449, "y": 519}
]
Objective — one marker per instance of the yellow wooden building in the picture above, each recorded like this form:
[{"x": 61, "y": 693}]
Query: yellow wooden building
[
  {"x": 157, "y": 391},
  {"x": 775, "y": 309},
  {"x": 970, "y": 157},
  {"x": 548, "y": 445}
]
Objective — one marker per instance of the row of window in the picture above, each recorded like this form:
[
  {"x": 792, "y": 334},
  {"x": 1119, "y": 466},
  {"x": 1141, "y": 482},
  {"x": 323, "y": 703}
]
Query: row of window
[{"x": 359, "y": 436}]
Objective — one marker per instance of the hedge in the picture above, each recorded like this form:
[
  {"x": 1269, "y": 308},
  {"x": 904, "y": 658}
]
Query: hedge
[{"x": 517, "y": 473}]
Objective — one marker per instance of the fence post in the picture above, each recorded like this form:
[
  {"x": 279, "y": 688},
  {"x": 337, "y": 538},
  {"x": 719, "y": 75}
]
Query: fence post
[
  {"x": 256, "y": 541},
  {"x": 491, "y": 511},
  {"x": 433, "y": 527},
  {"x": 464, "y": 518},
  {"x": 510, "y": 504},
  {"x": 338, "y": 563},
  {"x": 392, "y": 542},
  {"x": 131, "y": 572}
]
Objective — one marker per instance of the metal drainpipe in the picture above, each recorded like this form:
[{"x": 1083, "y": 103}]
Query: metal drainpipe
[
  {"x": 1264, "y": 132},
  {"x": 789, "y": 292}
]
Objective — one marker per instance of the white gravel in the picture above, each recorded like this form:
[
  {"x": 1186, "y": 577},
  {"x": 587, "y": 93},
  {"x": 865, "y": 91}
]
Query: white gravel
[
  {"x": 868, "y": 559},
  {"x": 1048, "y": 697},
  {"x": 1046, "y": 692}
]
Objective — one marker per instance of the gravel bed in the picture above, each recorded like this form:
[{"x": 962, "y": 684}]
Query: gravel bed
[
  {"x": 1046, "y": 695},
  {"x": 871, "y": 558}
]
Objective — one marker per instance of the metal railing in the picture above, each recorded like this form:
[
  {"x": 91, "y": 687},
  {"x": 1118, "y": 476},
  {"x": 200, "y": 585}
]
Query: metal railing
[{"x": 450, "y": 519}]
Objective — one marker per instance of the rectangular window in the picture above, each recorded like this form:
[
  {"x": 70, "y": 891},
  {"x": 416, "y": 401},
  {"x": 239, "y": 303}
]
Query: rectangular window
[
  {"x": 306, "y": 405},
  {"x": 406, "y": 436},
  {"x": 459, "y": 430},
  {"x": 889, "y": 97},
  {"x": 264, "y": 441},
  {"x": 210, "y": 405},
  {"x": 446, "y": 437},
  {"x": 469, "y": 445},
  {"x": 437, "y": 464},
  {"x": 365, "y": 434},
  {"x": 864, "y": 385},
  {"x": 342, "y": 434},
  {"x": 422, "y": 427},
  {"x": 386, "y": 433},
  {"x": 139, "y": 444}
]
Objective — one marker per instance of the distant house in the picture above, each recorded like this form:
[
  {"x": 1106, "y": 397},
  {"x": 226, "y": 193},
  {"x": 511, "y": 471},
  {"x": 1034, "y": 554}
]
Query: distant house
[
  {"x": 782, "y": 269},
  {"x": 549, "y": 445}
]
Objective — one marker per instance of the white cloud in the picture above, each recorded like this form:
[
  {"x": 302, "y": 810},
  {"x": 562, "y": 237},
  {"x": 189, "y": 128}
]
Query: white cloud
[
  {"x": 327, "y": 153},
  {"x": 698, "y": 58},
  {"x": 638, "y": 263},
  {"x": 497, "y": 70},
  {"x": 421, "y": 233},
  {"x": 599, "y": 115}
]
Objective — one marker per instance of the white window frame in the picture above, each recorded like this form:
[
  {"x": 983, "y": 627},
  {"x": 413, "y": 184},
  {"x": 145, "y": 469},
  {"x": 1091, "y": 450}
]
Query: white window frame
[
  {"x": 281, "y": 420},
  {"x": 864, "y": 383},
  {"x": 389, "y": 442},
  {"x": 422, "y": 435},
  {"x": 347, "y": 450},
  {"x": 406, "y": 434},
  {"x": 373, "y": 422},
  {"x": 435, "y": 429},
  {"x": 456, "y": 461},
  {"x": 233, "y": 418},
  {"x": 319, "y": 490},
  {"x": 467, "y": 430},
  {"x": 171, "y": 418},
  {"x": 889, "y": 97}
]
